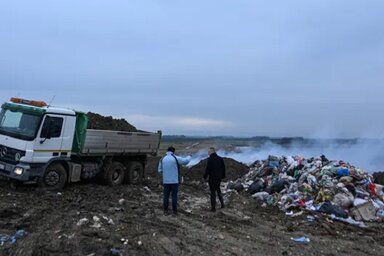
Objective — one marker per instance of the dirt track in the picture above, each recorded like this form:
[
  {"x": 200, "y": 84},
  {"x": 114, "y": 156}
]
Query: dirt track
[{"x": 137, "y": 226}]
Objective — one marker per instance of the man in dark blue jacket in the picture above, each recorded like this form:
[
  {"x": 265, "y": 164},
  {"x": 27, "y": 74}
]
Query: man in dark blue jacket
[{"x": 215, "y": 170}]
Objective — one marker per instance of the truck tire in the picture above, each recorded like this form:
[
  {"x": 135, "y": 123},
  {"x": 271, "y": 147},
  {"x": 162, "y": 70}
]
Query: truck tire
[
  {"x": 113, "y": 174},
  {"x": 134, "y": 173},
  {"x": 55, "y": 177}
]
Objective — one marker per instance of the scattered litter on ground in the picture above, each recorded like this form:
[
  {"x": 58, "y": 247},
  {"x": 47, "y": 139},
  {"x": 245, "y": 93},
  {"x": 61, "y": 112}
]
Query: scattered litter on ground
[
  {"x": 244, "y": 227},
  {"x": 12, "y": 239}
]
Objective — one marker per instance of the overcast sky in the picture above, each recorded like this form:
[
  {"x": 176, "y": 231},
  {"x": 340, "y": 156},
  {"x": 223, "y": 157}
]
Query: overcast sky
[{"x": 312, "y": 68}]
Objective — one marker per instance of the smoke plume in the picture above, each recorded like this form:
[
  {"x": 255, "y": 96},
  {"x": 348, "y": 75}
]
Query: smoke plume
[{"x": 367, "y": 154}]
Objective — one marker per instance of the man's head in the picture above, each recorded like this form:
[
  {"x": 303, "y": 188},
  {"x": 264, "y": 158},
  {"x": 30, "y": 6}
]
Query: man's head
[
  {"x": 211, "y": 150},
  {"x": 171, "y": 149}
]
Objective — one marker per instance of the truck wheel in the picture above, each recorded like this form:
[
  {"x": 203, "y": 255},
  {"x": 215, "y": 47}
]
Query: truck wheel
[
  {"x": 114, "y": 174},
  {"x": 55, "y": 177},
  {"x": 135, "y": 172}
]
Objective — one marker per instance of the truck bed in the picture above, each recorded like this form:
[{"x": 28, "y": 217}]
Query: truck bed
[{"x": 118, "y": 142}]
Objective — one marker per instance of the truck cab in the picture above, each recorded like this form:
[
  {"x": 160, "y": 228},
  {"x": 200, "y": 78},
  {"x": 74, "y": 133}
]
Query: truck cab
[{"x": 31, "y": 134}]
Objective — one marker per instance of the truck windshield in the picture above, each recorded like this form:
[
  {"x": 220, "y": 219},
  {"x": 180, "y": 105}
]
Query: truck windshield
[{"x": 19, "y": 124}]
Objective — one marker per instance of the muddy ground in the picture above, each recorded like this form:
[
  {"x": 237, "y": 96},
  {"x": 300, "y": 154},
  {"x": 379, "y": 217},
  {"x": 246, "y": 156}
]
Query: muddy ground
[{"x": 91, "y": 219}]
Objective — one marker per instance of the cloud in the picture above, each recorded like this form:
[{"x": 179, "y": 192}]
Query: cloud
[
  {"x": 172, "y": 124},
  {"x": 200, "y": 122}
]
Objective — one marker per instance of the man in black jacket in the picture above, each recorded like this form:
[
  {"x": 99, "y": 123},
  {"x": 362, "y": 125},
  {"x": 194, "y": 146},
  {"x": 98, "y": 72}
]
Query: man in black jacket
[{"x": 215, "y": 170}]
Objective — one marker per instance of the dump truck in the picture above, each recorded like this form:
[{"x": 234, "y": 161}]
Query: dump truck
[{"x": 52, "y": 146}]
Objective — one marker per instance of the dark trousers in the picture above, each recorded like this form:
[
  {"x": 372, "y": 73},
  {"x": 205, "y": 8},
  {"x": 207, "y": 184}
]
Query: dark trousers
[
  {"x": 168, "y": 189},
  {"x": 214, "y": 187}
]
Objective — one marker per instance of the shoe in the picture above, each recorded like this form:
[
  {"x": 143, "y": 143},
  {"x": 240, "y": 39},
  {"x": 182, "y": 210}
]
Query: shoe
[
  {"x": 166, "y": 213},
  {"x": 222, "y": 206},
  {"x": 213, "y": 210}
]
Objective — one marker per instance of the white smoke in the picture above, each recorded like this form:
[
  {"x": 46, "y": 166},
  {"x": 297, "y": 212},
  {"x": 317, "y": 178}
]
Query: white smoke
[
  {"x": 197, "y": 157},
  {"x": 365, "y": 154}
]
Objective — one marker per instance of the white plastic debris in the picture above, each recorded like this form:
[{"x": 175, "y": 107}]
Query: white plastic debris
[
  {"x": 310, "y": 218},
  {"x": 96, "y": 225},
  {"x": 290, "y": 213},
  {"x": 82, "y": 222},
  {"x": 301, "y": 240},
  {"x": 124, "y": 241},
  {"x": 359, "y": 201},
  {"x": 349, "y": 220}
]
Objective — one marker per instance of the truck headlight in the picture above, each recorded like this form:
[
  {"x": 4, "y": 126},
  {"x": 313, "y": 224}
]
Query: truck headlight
[{"x": 18, "y": 170}]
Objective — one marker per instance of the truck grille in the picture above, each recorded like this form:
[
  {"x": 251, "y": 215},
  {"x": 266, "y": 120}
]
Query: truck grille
[
  {"x": 10, "y": 155},
  {"x": 4, "y": 171}
]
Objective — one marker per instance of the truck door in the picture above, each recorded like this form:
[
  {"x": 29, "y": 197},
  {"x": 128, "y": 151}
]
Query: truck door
[{"x": 49, "y": 140}]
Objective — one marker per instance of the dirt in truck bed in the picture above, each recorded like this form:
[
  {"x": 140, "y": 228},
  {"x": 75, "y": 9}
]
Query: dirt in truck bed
[
  {"x": 99, "y": 122},
  {"x": 91, "y": 219}
]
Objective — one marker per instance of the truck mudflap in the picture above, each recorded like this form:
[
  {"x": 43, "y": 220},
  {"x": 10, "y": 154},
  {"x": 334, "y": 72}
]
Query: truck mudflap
[{"x": 74, "y": 172}]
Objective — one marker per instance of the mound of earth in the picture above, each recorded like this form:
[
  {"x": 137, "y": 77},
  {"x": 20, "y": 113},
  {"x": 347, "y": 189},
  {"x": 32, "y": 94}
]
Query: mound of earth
[
  {"x": 99, "y": 122},
  {"x": 234, "y": 170},
  {"x": 378, "y": 178}
]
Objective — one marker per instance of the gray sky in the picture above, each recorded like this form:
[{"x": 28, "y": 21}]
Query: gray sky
[{"x": 242, "y": 68}]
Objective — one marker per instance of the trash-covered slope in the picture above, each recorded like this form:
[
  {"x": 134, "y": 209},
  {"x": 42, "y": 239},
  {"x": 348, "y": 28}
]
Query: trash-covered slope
[{"x": 315, "y": 184}]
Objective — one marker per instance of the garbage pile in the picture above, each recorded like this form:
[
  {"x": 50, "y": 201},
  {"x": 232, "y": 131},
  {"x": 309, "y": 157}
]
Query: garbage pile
[{"x": 296, "y": 184}]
